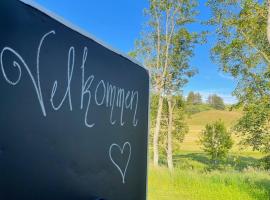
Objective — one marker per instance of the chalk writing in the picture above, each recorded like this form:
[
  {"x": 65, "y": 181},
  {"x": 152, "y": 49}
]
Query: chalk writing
[
  {"x": 93, "y": 92},
  {"x": 122, "y": 150},
  {"x": 36, "y": 82},
  {"x": 71, "y": 58}
]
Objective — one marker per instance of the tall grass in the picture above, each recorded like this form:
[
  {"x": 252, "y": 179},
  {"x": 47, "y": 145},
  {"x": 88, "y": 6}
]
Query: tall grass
[{"x": 197, "y": 185}]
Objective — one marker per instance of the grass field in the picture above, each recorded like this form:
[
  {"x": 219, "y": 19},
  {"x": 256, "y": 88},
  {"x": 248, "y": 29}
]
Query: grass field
[
  {"x": 239, "y": 178},
  {"x": 198, "y": 121},
  {"x": 194, "y": 185}
]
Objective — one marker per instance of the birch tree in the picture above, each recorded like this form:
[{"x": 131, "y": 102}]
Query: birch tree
[
  {"x": 178, "y": 64},
  {"x": 159, "y": 39},
  {"x": 177, "y": 127},
  {"x": 268, "y": 21},
  {"x": 243, "y": 51}
]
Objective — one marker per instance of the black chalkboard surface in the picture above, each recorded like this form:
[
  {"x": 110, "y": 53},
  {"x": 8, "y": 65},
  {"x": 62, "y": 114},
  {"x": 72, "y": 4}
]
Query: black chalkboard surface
[{"x": 73, "y": 113}]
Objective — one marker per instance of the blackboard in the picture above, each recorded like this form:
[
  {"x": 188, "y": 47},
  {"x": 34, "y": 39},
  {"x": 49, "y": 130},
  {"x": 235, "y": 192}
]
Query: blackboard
[{"x": 73, "y": 112}]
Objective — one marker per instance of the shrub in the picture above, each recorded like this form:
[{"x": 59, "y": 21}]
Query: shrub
[
  {"x": 265, "y": 162},
  {"x": 216, "y": 141}
]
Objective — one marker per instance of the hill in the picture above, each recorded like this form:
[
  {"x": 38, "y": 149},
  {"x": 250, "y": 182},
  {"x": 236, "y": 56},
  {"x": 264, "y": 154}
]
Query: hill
[
  {"x": 202, "y": 118},
  {"x": 197, "y": 122}
]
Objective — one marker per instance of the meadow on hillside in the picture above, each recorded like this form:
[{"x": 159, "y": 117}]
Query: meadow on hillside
[{"x": 193, "y": 179}]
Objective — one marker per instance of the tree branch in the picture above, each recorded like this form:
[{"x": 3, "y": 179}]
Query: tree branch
[{"x": 265, "y": 57}]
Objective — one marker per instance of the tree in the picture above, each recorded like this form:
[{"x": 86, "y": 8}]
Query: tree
[
  {"x": 216, "y": 141},
  {"x": 173, "y": 126},
  {"x": 165, "y": 48},
  {"x": 242, "y": 50},
  {"x": 254, "y": 127},
  {"x": 190, "y": 97},
  {"x": 268, "y": 21},
  {"x": 216, "y": 102},
  {"x": 194, "y": 98},
  {"x": 177, "y": 128},
  {"x": 198, "y": 99}
]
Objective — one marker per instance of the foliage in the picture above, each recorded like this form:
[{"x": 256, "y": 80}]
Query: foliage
[
  {"x": 153, "y": 107},
  {"x": 242, "y": 50},
  {"x": 254, "y": 126},
  {"x": 166, "y": 45},
  {"x": 165, "y": 48},
  {"x": 216, "y": 102},
  {"x": 194, "y": 98},
  {"x": 180, "y": 127},
  {"x": 216, "y": 141},
  {"x": 265, "y": 162}
]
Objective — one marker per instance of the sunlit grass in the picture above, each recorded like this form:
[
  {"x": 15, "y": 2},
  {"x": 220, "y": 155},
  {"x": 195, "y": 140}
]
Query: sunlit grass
[
  {"x": 197, "y": 122},
  {"x": 239, "y": 177},
  {"x": 198, "y": 185}
]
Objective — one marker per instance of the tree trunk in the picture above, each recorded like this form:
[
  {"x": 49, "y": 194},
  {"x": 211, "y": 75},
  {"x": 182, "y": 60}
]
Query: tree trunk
[
  {"x": 160, "y": 101},
  {"x": 170, "y": 126},
  {"x": 268, "y": 21},
  {"x": 157, "y": 130}
]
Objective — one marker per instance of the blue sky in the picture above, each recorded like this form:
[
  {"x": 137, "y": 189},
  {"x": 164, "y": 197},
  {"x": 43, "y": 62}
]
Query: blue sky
[{"x": 118, "y": 23}]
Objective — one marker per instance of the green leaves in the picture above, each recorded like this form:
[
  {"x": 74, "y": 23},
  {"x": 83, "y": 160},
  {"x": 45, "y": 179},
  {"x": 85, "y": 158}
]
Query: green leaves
[
  {"x": 254, "y": 126},
  {"x": 242, "y": 48},
  {"x": 166, "y": 45},
  {"x": 216, "y": 141},
  {"x": 216, "y": 102},
  {"x": 243, "y": 51}
]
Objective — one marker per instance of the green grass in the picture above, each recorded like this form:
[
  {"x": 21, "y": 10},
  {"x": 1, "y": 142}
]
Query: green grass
[
  {"x": 202, "y": 118},
  {"x": 196, "y": 185},
  {"x": 192, "y": 109},
  {"x": 200, "y": 161},
  {"x": 197, "y": 122},
  {"x": 238, "y": 178}
]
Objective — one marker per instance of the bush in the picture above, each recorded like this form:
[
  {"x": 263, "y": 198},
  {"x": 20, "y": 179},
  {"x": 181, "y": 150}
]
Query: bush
[
  {"x": 265, "y": 162},
  {"x": 216, "y": 141}
]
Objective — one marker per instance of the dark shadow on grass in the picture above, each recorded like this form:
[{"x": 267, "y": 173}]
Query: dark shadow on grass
[
  {"x": 242, "y": 162},
  {"x": 263, "y": 184},
  {"x": 199, "y": 157},
  {"x": 236, "y": 162}
]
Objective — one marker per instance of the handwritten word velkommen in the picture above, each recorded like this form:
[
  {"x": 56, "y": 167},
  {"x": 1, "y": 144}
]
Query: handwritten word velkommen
[{"x": 112, "y": 97}]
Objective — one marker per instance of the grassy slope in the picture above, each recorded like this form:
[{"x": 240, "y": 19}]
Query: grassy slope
[
  {"x": 198, "y": 121},
  {"x": 190, "y": 181},
  {"x": 202, "y": 118}
]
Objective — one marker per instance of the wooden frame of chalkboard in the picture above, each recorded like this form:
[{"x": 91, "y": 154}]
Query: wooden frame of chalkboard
[{"x": 40, "y": 152}]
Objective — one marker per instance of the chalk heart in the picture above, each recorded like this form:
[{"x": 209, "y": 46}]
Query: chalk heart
[{"x": 125, "y": 148}]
